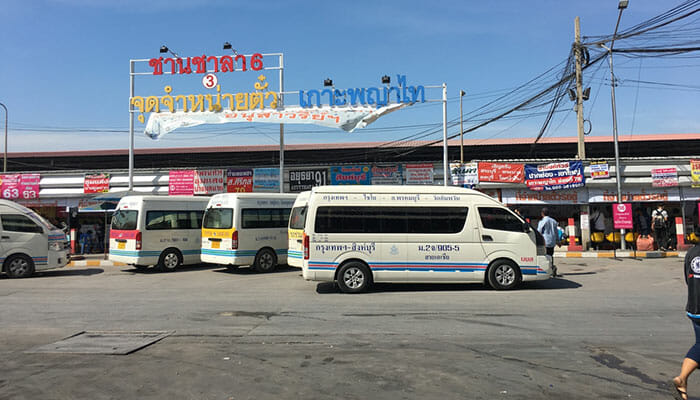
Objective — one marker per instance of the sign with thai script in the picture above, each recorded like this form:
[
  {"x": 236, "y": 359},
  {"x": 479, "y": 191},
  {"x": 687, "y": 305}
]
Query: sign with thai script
[
  {"x": 209, "y": 181},
  {"x": 239, "y": 180},
  {"x": 501, "y": 172},
  {"x": 600, "y": 170},
  {"x": 96, "y": 183},
  {"x": 266, "y": 180},
  {"x": 464, "y": 174},
  {"x": 419, "y": 174},
  {"x": 555, "y": 176},
  {"x": 634, "y": 195},
  {"x": 20, "y": 186},
  {"x": 346, "y": 118},
  {"x": 181, "y": 182},
  {"x": 526, "y": 196},
  {"x": 373, "y": 96},
  {"x": 695, "y": 173},
  {"x": 204, "y": 64},
  {"x": 622, "y": 216},
  {"x": 664, "y": 177},
  {"x": 351, "y": 175},
  {"x": 305, "y": 179},
  {"x": 387, "y": 174}
]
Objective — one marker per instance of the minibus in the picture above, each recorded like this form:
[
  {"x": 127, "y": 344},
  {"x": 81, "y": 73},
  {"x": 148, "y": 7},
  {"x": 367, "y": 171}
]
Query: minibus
[
  {"x": 247, "y": 229},
  {"x": 157, "y": 230},
  {"x": 359, "y": 235},
  {"x": 29, "y": 242}
]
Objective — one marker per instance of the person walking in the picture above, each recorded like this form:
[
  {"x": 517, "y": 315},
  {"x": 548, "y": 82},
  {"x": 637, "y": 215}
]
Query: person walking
[
  {"x": 549, "y": 228},
  {"x": 691, "y": 269},
  {"x": 659, "y": 226}
]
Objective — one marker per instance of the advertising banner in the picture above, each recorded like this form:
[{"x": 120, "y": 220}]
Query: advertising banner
[
  {"x": 351, "y": 175},
  {"x": 305, "y": 179},
  {"x": 96, "y": 183},
  {"x": 695, "y": 173},
  {"x": 20, "y": 186},
  {"x": 239, "y": 180},
  {"x": 464, "y": 174},
  {"x": 266, "y": 180},
  {"x": 664, "y": 177},
  {"x": 181, "y": 182},
  {"x": 600, "y": 170},
  {"x": 209, "y": 181},
  {"x": 525, "y": 196},
  {"x": 622, "y": 216},
  {"x": 419, "y": 174},
  {"x": 634, "y": 195},
  {"x": 501, "y": 172},
  {"x": 555, "y": 176},
  {"x": 387, "y": 174}
]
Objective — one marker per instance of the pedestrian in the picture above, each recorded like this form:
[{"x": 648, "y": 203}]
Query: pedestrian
[
  {"x": 691, "y": 269},
  {"x": 84, "y": 241},
  {"x": 597, "y": 219},
  {"x": 642, "y": 221},
  {"x": 549, "y": 228},
  {"x": 659, "y": 226}
]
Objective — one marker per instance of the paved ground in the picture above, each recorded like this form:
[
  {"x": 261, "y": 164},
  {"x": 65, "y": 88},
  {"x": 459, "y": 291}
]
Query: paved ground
[{"x": 607, "y": 329}]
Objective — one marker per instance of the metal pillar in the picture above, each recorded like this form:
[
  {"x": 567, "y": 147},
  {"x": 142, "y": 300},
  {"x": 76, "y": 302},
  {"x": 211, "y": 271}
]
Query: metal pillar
[
  {"x": 281, "y": 104},
  {"x": 131, "y": 125},
  {"x": 445, "y": 165},
  {"x": 579, "y": 91},
  {"x": 4, "y": 161}
]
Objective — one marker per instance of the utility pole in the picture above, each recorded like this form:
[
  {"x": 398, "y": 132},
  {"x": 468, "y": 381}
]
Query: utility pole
[{"x": 579, "y": 90}]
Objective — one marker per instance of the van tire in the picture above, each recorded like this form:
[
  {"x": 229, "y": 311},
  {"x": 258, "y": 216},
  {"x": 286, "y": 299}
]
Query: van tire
[
  {"x": 504, "y": 275},
  {"x": 354, "y": 277},
  {"x": 169, "y": 260},
  {"x": 140, "y": 267},
  {"x": 19, "y": 266},
  {"x": 265, "y": 261}
]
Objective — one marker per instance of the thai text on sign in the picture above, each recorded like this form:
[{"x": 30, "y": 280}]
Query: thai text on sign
[
  {"x": 351, "y": 175},
  {"x": 664, "y": 177},
  {"x": 239, "y": 180},
  {"x": 181, "y": 182},
  {"x": 555, "y": 176},
  {"x": 20, "y": 186},
  {"x": 209, "y": 181},
  {"x": 96, "y": 183},
  {"x": 501, "y": 172},
  {"x": 622, "y": 216},
  {"x": 419, "y": 174}
]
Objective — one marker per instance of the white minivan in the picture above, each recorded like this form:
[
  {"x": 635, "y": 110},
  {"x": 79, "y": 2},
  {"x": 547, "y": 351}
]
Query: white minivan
[
  {"x": 157, "y": 230},
  {"x": 28, "y": 242},
  {"x": 247, "y": 229},
  {"x": 357, "y": 235}
]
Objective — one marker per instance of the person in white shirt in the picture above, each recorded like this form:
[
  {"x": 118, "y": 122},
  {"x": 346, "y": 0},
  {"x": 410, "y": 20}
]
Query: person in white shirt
[
  {"x": 659, "y": 226},
  {"x": 549, "y": 228}
]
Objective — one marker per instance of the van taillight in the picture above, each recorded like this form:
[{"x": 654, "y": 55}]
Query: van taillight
[
  {"x": 234, "y": 240},
  {"x": 306, "y": 247},
  {"x": 138, "y": 240}
]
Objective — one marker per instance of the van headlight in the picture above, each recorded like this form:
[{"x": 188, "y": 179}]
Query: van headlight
[{"x": 55, "y": 246}]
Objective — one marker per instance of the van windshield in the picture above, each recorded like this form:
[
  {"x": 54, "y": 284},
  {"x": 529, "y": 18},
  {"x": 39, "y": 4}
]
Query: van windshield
[
  {"x": 298, "y": 218},
  {"x": 218, "y": 218},
  {"x": 125, "y": 220},
  {"x": 38, "y": 218}
]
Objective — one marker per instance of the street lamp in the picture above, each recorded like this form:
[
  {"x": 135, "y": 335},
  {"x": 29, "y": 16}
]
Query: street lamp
[
  {"x": 618, "y": 172},
  {"x": 4, "y": 161}
]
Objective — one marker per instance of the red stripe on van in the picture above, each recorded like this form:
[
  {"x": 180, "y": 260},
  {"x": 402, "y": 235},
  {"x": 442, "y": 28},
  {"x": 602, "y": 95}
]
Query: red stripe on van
[{"x": 117, "y": 234}]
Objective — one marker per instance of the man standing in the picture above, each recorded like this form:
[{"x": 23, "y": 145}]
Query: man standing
[
  {"x": 659, "y": 225},
  {"x": 549, "y": 229}
]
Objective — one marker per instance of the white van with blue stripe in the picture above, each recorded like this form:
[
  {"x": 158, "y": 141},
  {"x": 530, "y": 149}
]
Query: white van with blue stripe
[
  {"x": 358, "y": 235},
  {"x": 164, "y": 231},
  {"x": 28, "y": 242},
  {"x": 247, "y": 229}
]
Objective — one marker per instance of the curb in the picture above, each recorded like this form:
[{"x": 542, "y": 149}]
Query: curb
[
  {"x": 620, "y": 254},
  {"x": 94, "y": 263}
]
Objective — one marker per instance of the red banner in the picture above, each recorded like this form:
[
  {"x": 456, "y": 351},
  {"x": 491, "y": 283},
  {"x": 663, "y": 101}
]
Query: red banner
[
  {"x": 501, "y": 172},
  {"x": 20, "y": 186},
  {"x": 181, "y": 182},
  {"x": 96, "y": 183},
  {"x": 622, "y": 216},
  {"x": 239, "y": 180}
]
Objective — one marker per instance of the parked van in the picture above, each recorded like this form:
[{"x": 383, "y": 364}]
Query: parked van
[
  {"x": 157, "y": 230},
  {"x": 247, "y": 229},
  {"x": 28, "y": 242},
  {"x": 357, "y": 235}
]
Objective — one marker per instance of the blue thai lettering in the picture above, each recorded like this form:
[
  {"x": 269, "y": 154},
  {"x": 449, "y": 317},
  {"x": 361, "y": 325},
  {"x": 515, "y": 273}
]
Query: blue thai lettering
[
  {"x": 340, "y": 99},
  {"x": 355, "y": 95},
  {"x": 316, "y": 94}
]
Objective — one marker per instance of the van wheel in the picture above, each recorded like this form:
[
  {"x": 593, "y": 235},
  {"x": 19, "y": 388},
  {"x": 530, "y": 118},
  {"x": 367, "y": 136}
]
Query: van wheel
[
  {"x": 169, "y": 260},
  {"x": 354, "y": 277},
  {"x": 19, "y": 266},
  {"x": 503, "y": 275},
  {"x": 265, "y": 261}
]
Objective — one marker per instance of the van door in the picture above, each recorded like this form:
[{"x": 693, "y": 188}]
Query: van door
[
  {"x": 20, "y": 234},
  {"x": 503, "y": 235}
]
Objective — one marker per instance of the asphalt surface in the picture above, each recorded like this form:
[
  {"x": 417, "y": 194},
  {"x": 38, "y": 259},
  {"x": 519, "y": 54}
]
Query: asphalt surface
[{"x": 609, "y": 329}]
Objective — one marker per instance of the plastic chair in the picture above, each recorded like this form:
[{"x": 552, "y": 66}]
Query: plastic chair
[{"x": 597, "y": 238}]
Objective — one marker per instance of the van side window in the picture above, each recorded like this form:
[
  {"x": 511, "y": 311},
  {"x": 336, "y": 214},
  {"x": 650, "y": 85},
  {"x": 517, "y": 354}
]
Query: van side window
[
  {"x": 500, "y": 219},
  {"x": 159, "y": 220},
  {"x": 19, "y": 223},
  {"x": 252, "y": 218},
  {"x": 390, "y": 219}
]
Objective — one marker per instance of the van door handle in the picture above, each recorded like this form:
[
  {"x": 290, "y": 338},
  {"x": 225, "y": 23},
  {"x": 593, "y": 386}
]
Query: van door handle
[
  {"x": 5, "y": 237},
  {"x": 486, "y": 238}
]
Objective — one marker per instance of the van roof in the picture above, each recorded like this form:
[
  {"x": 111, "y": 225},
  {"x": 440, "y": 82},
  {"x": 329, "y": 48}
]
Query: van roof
[
  {"x": 257, "y": 195},
  {"x": 420, "y": 189},
  {"x": 165, "y": 198},
  {"x": 16, "y": 206}
]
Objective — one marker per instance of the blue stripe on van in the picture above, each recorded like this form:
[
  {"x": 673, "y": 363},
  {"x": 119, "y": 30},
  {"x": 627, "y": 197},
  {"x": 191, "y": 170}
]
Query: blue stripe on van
[
  {"x": 238, "y": 253},
  {"x": 425, "y": 266},
  {"x": 149, "y": 253}
]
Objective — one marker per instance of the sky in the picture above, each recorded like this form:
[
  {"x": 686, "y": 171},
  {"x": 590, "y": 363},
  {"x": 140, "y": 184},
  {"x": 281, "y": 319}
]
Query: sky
[{"x": 65, "y": 71}]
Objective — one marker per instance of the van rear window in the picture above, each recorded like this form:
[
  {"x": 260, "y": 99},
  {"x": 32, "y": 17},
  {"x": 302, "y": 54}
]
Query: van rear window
[
  {"x": 218, "y": 218},
  {"x": 298, "y": 218},
  {"x": 125, "y": 220}
]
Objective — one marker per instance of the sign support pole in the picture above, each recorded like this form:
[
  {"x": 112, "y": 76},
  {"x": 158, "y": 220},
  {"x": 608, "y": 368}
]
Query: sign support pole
[
  {"x": 445, "y": 166},
  {"x": 281, "y": 104},
  {"x": 131, "y": 125}
]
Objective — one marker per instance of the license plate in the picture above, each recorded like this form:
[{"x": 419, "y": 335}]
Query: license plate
[
  {"x": 215, "y": 245},
  {"x": 121, "y": 245}
]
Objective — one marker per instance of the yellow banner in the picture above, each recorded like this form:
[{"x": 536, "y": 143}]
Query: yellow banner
[{"x": 695, "y": 173}]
